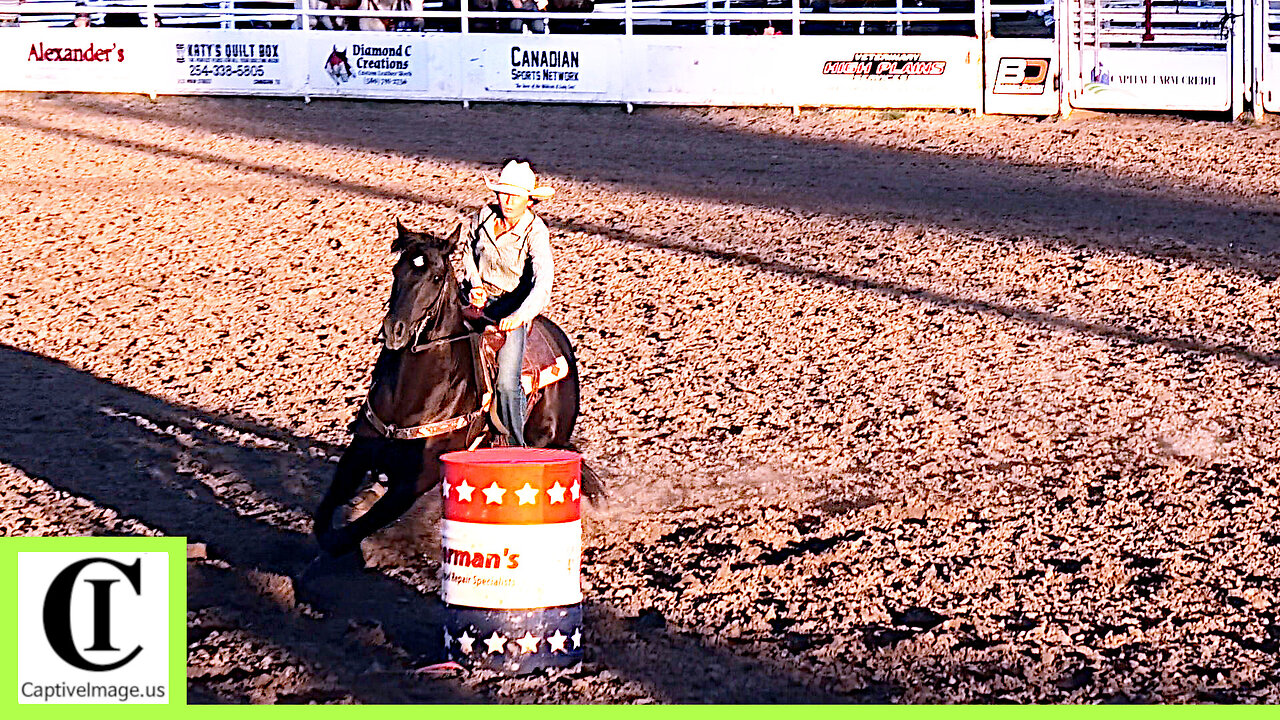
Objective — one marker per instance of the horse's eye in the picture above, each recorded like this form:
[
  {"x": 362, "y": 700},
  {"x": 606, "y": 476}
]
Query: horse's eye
[{"x": 417, "y": 261}]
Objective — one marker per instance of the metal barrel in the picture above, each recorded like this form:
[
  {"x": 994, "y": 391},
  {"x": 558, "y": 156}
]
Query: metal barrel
[{"x": 511, "y": 552}]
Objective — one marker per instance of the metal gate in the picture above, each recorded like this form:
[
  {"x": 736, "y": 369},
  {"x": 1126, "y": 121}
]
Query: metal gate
[
  {"x": 1265, "y": 18},
  {"x": 1158, "y": 54},
  {"x": 1021, "y": 58}
]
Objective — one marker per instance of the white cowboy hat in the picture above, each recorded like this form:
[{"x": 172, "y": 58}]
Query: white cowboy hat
[{"x": 518, "y": 179}]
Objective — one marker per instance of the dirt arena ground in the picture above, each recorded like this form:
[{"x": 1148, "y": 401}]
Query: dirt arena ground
[{"x": 911, "y": 407}]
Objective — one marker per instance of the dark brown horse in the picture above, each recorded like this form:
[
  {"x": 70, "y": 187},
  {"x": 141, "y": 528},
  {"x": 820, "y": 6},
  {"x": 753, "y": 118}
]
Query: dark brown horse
[{"x": 425, "y": 374}]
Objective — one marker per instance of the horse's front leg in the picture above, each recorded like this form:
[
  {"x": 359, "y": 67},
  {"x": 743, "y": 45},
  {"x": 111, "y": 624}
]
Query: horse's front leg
[
  {"x": 401, "y": 462},
  {"x": 356, "y": 462}
]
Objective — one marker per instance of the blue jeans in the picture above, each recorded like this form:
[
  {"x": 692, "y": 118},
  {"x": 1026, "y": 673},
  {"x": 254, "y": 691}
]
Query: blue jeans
[{"x": 511, "y": 399}]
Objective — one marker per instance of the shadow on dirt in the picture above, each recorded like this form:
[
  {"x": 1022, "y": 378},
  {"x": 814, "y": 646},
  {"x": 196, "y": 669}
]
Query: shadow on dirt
[
  {"x": 1237, "y": 350},
  {"x": 655, "y": 152},
  {"x": 241, "y": 490}
]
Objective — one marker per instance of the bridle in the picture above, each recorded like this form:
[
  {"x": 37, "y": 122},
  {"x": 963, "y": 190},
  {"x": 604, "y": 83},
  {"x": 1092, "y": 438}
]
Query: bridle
[{"x": 439, "y": 427}]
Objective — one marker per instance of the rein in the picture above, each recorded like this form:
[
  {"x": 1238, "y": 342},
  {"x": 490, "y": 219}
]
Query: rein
[
  {"x": 445, "y": 340},
  {"x": 432, "y": 429}
]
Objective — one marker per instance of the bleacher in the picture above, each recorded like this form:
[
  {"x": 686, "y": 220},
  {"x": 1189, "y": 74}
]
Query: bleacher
[{"x": 167, "y": 13}]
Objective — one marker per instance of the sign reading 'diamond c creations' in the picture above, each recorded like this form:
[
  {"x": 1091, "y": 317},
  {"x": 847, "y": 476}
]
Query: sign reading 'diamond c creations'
[
  {"x": 547, "y": 67},
  {"x": 94, "y": 628},
  {"x": 372, "y": 65}
]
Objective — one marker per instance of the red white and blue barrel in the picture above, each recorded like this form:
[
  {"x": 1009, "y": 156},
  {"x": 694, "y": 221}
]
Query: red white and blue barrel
[{"x": 511, "y": 556}]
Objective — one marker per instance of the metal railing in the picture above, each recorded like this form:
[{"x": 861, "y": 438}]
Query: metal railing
[
  {"x": 1021, "y": 18},
  {"x": 709, "y": 17},
  {"x": 1273, "y": 24},
  {"x": 1189, "y": 24}
]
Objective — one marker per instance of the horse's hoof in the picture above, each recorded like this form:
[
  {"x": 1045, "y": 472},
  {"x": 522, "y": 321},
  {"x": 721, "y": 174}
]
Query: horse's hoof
[{"x": 325, "y": 564}]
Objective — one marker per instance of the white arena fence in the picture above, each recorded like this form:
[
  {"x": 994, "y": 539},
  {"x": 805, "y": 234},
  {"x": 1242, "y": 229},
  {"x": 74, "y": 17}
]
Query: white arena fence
[{"x": 997, "y": 56}]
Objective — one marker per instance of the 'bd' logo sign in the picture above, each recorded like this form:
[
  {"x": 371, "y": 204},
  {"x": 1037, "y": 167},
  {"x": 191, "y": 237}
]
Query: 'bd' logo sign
[
  {"x": 94, "y": 627},
  {"x": 1021, "y": 76}
]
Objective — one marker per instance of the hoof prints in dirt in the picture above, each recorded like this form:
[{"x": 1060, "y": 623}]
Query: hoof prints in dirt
[{"x": 901, "y": 435}]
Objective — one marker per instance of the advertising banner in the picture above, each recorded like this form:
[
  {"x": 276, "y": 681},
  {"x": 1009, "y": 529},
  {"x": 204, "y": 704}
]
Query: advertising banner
[
  {"x": 510, "y": 566},
  {"x": 232, "y": 61},
  {"x": 1270, "y": 80},
  {"x": 1152, "y": 79},
  {"x": 894, "y": 72},
  {"x": 1022, "y": 76},
  {"x": 363, "y": 64},
  {"x": 52, "y": 59},
  {"x": 544, "y": 65},
  {"x": 785, "y": 70}
]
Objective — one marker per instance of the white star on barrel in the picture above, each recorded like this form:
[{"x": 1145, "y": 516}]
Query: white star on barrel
[
  {"x": 574, "y": 491},
  {"x": 556, "y": 641},
  {"x": 556, "y": 493},
  {"x": 465, "y": 642},
  {"x": 577, "y": 637},
  {"x": 464, "y": 491},
  {"x": 495, "y": 643},
  {"x": 448, "y": 639},
  {"x": 529, "y": 643},
  {"x": 528, "y": 494},
  {"x": 493, "y": 494},
  {"x": 444, "y": 488}
]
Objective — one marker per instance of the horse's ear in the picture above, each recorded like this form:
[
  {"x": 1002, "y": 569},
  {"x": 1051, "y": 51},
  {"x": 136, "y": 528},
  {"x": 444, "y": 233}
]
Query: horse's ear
[
  {"x": 450, "y": 243},
  {"x": 404, "y": 236}
]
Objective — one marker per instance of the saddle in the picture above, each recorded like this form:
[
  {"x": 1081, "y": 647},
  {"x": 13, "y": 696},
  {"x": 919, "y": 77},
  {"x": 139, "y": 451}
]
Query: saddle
[{"x": 544, "y": 365}]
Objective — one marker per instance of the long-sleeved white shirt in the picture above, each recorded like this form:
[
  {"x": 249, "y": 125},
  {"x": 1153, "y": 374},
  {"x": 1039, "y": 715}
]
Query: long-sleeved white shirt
[{"x": 499, "y": 262}]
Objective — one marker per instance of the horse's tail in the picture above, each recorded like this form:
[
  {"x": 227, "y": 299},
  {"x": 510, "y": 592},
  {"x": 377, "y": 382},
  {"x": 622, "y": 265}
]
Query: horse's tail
[{"x": 593, "y": 484}]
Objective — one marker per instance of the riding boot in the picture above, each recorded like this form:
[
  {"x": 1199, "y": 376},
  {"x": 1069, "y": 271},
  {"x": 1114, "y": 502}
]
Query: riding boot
[{"x": 511, "y": 411}]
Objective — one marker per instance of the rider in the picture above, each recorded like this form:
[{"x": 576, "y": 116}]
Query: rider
[{"x": 508, "y": 275}]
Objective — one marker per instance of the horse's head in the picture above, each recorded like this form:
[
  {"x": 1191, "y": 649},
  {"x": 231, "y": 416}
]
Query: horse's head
[{"x": 423, "y": 284}]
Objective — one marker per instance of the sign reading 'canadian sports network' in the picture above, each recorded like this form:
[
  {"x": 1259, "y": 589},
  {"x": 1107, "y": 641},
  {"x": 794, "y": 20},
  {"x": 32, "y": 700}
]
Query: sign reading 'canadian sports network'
[{"x": 556, "y": 68}]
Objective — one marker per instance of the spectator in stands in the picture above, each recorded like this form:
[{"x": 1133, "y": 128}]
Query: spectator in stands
[
  {"x": 122, "y": 20},
  {"x": 7, "y": 17},
  {"x": 82, "y": 17},
  {"x": 537, "y": 25}
]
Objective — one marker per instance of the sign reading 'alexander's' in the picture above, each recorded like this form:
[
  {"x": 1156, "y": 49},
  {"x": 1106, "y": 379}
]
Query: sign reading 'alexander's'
[{"x": 91, "y": 53}]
